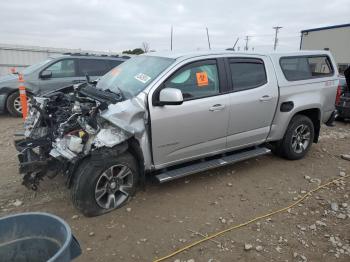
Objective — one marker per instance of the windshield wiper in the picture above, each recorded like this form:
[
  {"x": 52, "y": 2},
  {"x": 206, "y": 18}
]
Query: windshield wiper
[
  {"x": 101, "y": 94},
  {"x": 120, "y": 92}
]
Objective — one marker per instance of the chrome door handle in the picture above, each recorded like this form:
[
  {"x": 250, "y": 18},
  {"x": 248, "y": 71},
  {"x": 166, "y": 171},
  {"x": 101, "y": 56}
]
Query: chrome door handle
[
  {"x": 217, "y": 107},
  {"x": 265, "y": 98}
]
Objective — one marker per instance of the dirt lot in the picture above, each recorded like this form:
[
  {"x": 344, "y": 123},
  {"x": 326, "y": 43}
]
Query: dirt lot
[{"x": 160, "y": 219}]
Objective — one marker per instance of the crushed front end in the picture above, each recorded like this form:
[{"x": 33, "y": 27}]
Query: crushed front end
[{"x": 64, "y": 127}]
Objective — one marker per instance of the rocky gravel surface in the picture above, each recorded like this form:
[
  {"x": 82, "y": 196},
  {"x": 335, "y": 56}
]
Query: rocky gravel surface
[{"x": 166, "y": 217}]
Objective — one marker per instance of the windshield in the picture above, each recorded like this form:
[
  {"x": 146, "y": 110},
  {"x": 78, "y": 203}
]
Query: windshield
[
  {"x": 132, "y": 76},
  {"x": 32, "y": 68}
]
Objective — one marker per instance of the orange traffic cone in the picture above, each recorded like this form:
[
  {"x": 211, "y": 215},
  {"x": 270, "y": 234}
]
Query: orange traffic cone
[{"x": 23, "y": 96}]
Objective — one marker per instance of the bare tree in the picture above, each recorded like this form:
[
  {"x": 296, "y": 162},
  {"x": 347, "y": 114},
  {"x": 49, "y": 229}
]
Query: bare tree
[{"x": 145, "y": 47}]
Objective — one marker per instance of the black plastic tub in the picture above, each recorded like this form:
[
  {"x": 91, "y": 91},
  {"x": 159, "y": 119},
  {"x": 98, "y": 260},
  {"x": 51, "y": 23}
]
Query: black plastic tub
[{"x": 36, "y": 237}]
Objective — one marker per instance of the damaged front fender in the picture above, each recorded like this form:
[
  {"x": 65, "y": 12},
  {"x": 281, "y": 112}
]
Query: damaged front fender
[
  {"x": 129, "y": 115},
  {"x": 132, "y": 117}
]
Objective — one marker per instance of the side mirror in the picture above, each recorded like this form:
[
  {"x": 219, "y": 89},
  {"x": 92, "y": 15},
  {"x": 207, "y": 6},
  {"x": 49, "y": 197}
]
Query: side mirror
[
  {"x": 170, "y": 96},
  {"x": 46, "y": 74}
]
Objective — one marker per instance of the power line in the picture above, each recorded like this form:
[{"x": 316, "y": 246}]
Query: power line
[
  {"x": 277, "y": 28},
  {"x": 171, "y": 39},
  {"x": 235, "y": 44},
  {"x": 261, "y": 35}
]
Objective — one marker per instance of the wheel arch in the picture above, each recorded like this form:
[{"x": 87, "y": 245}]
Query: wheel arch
[
  {"x": 131, "y": 145},
  {"x": 315, "y": 116},
  {"x": 72, "y": 169},
  {"x": 17, "y": 90},
  {"x": 135, "y": 149},
  {"x": 282, "y": 121}
]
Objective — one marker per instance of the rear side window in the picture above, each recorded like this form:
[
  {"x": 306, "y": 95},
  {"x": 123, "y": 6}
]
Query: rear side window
[
  {"x": 306, "y": 67},
  {"x": 93, "y": 67},
  {"x": 247, "y": 73}
]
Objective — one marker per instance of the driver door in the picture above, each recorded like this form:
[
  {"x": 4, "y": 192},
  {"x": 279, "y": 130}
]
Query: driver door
[{"x": 198, "y": 126}]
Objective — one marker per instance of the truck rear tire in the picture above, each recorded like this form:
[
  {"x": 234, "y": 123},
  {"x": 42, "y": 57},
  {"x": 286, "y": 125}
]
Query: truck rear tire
[
  {"x": 297, "y": 139},
  {"x": 104, "y": 182}
]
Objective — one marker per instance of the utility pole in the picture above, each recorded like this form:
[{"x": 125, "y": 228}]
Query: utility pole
[
  {"x": 246, "y": 42},
  {"x": 235, "y": 44},
  {"x": 277, "y": 28},
  {"x": 171, "y": 39},
  {"x": 208, "y": 38}
]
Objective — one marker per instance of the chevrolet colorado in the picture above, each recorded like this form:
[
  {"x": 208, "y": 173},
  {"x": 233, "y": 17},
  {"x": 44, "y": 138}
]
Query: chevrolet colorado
[{"x": 174, "y": 114}]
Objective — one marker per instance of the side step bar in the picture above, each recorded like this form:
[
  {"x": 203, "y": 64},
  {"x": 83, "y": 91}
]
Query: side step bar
[{"x": 203, "y": 166}]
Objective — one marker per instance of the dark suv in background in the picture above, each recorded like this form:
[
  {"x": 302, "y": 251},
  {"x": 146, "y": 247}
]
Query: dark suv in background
[
  {"x": 54, "y": 73},
  {"x": 342, "y": 102}
]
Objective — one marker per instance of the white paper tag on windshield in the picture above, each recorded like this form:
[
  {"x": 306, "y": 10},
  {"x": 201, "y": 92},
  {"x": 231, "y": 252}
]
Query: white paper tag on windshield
[{"x": 142, "y": 77}]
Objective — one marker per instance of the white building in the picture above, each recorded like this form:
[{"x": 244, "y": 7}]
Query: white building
[
  {"x": 334, "y": 38},
  {"x": 17, "y": 56}
]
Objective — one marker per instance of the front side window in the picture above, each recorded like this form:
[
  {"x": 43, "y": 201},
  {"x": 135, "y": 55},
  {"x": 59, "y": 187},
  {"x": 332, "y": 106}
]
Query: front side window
[
  {"x": 93, "y": 67},
  {"x": 63, "y": 68},
  {"x": 306, "y": 67},
  {"x": 196, "y": 81},
  {"x": 247, "y": 74}
]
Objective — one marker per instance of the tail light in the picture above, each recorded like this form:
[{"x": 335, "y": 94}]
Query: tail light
[{"x": 337, "y": 98}]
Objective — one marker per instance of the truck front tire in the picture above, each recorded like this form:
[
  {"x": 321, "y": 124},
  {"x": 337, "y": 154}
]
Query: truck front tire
[
  {"x": 104, "y": 182},
  {"x": 297, "y": 139}
]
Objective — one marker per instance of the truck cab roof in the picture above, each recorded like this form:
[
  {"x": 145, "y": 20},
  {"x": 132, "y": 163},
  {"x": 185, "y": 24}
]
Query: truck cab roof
[{"x": 193, "y": 54}]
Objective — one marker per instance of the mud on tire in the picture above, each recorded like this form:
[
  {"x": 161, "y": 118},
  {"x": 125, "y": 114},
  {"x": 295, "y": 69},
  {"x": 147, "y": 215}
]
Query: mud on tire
[{"x": 104, "y": 182}]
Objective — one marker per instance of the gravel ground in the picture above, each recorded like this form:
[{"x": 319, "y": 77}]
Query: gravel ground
[{"x": 166, "y": 217}]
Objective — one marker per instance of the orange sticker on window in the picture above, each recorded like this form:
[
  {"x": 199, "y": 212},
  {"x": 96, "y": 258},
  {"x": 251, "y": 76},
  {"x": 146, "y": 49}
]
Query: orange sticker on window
[
  {"x": 202, "y": 79},
  {"x": 115, "y": 71}
]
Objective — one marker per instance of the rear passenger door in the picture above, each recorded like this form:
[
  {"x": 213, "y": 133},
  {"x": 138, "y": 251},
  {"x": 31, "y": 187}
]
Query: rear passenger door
[
  {"x": 94, "y": 68},
  {"x": 253, "y": 100}
]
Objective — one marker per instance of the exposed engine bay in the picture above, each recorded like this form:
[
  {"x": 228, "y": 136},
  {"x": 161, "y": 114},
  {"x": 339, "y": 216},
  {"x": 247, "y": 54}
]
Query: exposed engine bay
[{"x": 65, "y": 126}]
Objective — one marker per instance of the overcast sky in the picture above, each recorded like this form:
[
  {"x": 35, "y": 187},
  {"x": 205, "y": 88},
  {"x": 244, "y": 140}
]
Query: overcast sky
[{"x": 124, "y": 24}]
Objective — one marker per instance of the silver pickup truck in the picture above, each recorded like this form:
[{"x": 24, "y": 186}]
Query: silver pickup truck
[{"x": 171, "y": 115}]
